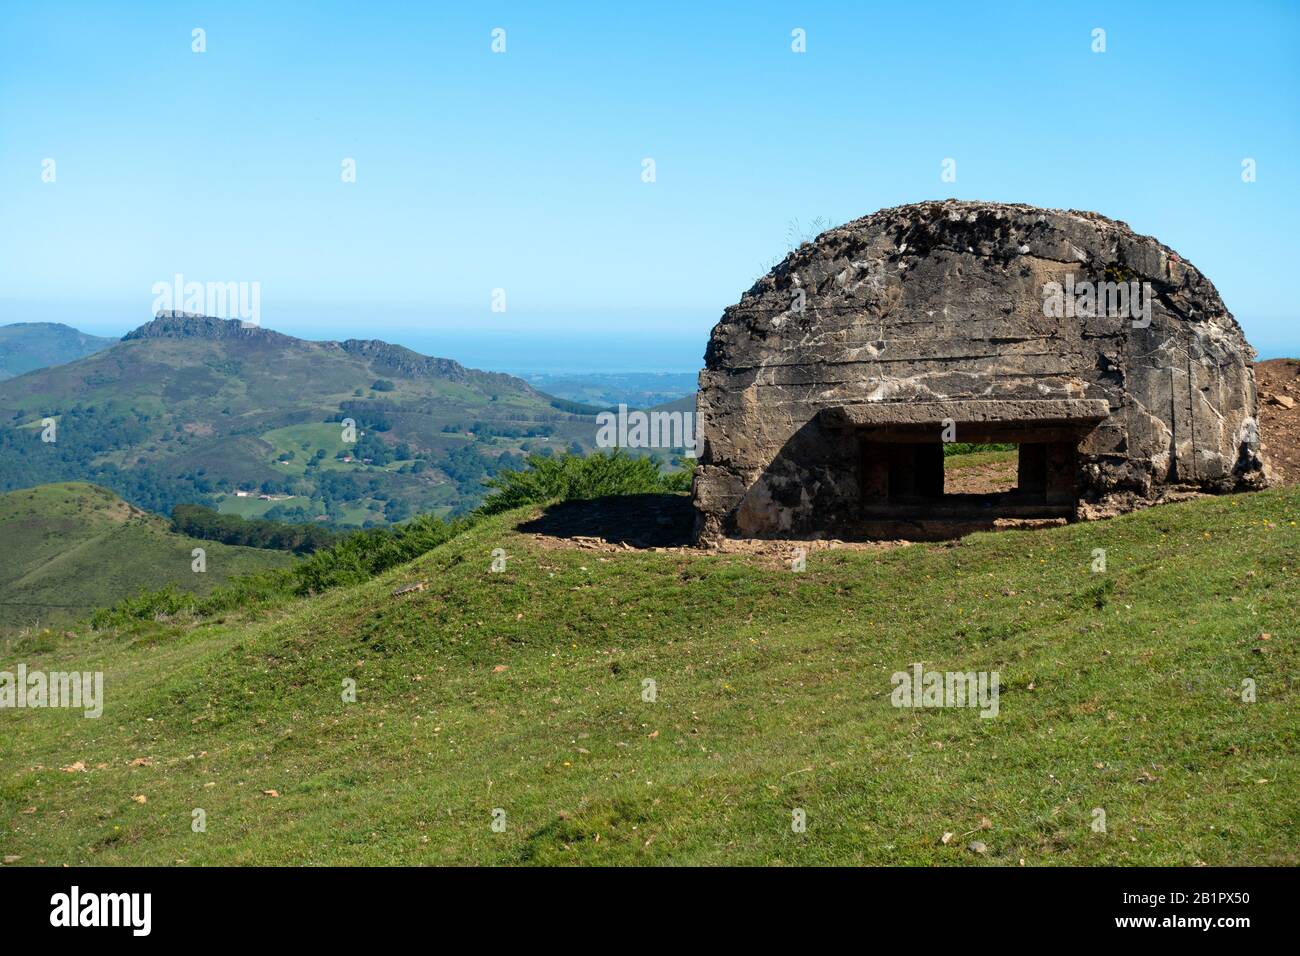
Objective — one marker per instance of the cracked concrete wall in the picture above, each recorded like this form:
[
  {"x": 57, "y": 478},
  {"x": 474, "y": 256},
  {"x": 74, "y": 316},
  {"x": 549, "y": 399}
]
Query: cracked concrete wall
[{"x": 944, "y": 301}]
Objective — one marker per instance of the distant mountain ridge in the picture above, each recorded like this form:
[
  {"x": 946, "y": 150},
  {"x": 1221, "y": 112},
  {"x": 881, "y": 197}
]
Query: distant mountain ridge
[
  {"x": 193, "y": 408},
  {"x": 397, "y": 358},
  {"x": 25, "y": 346}
]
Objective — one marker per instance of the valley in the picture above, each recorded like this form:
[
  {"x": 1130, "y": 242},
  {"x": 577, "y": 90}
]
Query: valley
[
  {"x": 72, "y": 548},
  {"x": 196, "y": 409}
]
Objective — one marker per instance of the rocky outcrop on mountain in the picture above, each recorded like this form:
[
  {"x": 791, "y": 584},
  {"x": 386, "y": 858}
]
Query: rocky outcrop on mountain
[
  {"x": 192, "y": 325},
  {"x": 953, "y": 304},
  {"x": 399, "y": 360}
]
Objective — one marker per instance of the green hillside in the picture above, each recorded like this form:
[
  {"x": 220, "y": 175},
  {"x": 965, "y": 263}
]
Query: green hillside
[
  {"x": 522, "y": 691},
  {"x": 71, "y": 548},
  {"x": 25, "y": 346},
  {"x": 193, "y": 409}
]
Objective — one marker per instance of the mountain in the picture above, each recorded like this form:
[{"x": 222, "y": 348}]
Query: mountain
[
  {"x": 616, "y": 705},
  {"x": 25, "y": 346},
  {"x": 194, "y": 408},
  {"x": 72, "y": 548}
]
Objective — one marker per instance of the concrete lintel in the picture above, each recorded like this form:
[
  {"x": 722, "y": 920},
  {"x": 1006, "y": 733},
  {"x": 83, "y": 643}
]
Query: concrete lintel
[{"x": 1080, "y": 411}]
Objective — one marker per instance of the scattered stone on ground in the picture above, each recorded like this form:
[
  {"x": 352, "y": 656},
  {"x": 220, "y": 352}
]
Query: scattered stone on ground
[{"x": 1278, "y": 381}]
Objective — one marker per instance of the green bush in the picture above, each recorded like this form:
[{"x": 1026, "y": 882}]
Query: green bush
[
  {"x": 362, "y": 555},
  {"x": 967, "y": 448},
  {"x": 144, "y": 606},
  {"x": 575, "y": 478}
]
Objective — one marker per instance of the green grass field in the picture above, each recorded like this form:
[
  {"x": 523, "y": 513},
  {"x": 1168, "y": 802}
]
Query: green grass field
[
  {"x": 353, "y": 513},
  {"x": 522, "y": 692},
  {"x": 976, "y": 459},
  {"x": 251, "y": 507},
  {"x": 70, "y": 548}
]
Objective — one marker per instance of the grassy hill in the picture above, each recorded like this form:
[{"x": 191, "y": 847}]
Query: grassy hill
[
  {"x": 71, "y": 548},
  {"x": 523, "y": 691},
  {"x": 25, "y": 346},
  {"x": 188, "y": 408}
]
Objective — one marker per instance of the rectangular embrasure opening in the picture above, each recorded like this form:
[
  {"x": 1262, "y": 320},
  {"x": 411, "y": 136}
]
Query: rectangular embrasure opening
[{"x": 909, "y": 476}]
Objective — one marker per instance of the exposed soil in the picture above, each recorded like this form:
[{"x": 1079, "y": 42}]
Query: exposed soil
[
  {"x": 984, "y": 479},
  {"x": 1279, "y": 427}
]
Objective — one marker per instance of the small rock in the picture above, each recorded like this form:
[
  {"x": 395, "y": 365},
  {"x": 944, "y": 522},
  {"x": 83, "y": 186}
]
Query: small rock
[
  {"x": 12, "y": 859},
  {"x": 975, "y": 846}
]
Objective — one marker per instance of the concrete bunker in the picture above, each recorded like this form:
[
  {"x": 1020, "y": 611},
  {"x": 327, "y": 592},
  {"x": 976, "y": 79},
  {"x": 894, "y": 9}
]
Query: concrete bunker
[{"x": 830, "y": 388}]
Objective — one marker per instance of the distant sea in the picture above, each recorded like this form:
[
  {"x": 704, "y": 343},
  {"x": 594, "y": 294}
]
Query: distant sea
[{"x": 629, "y": 343}]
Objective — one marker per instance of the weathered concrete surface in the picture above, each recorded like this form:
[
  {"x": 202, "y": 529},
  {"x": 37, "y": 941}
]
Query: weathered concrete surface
[
  {"x": 1049, "y": 410},
  {"x": 944, "y": 302}
]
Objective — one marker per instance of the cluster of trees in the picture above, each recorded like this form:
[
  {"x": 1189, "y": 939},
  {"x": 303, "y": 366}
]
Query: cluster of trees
[
  {"x": 376, "y": 449},
  {"x": 577, "y": 408},
  {"x": 369, "y": 415},
  {"x": 290, "y": 514},
  {"x": 82, "y": 434},
  {"x": 200, "y": 522},
  {"x": 485, "y": 430},
  {"x": 467, "y": 467}
]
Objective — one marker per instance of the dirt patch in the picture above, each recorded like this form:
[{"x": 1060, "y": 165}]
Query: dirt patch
[
  {"x": 982, "y": 479},
  {"x": 1278, "y": 382}
]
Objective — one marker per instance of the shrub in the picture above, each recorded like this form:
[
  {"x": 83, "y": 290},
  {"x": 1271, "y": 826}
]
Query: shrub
[
  {"x": 364, "y": 554},
  {"x": 144, "y": 606},
  {"x": 967, "y": 448},
  {"x": 575, "y": 478}
]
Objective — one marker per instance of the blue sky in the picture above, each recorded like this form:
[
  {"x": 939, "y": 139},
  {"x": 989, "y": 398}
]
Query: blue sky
[{"x": 522, "y": 170}]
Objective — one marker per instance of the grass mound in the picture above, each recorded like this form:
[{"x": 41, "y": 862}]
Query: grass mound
[{"x": 634, "y": 706}]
